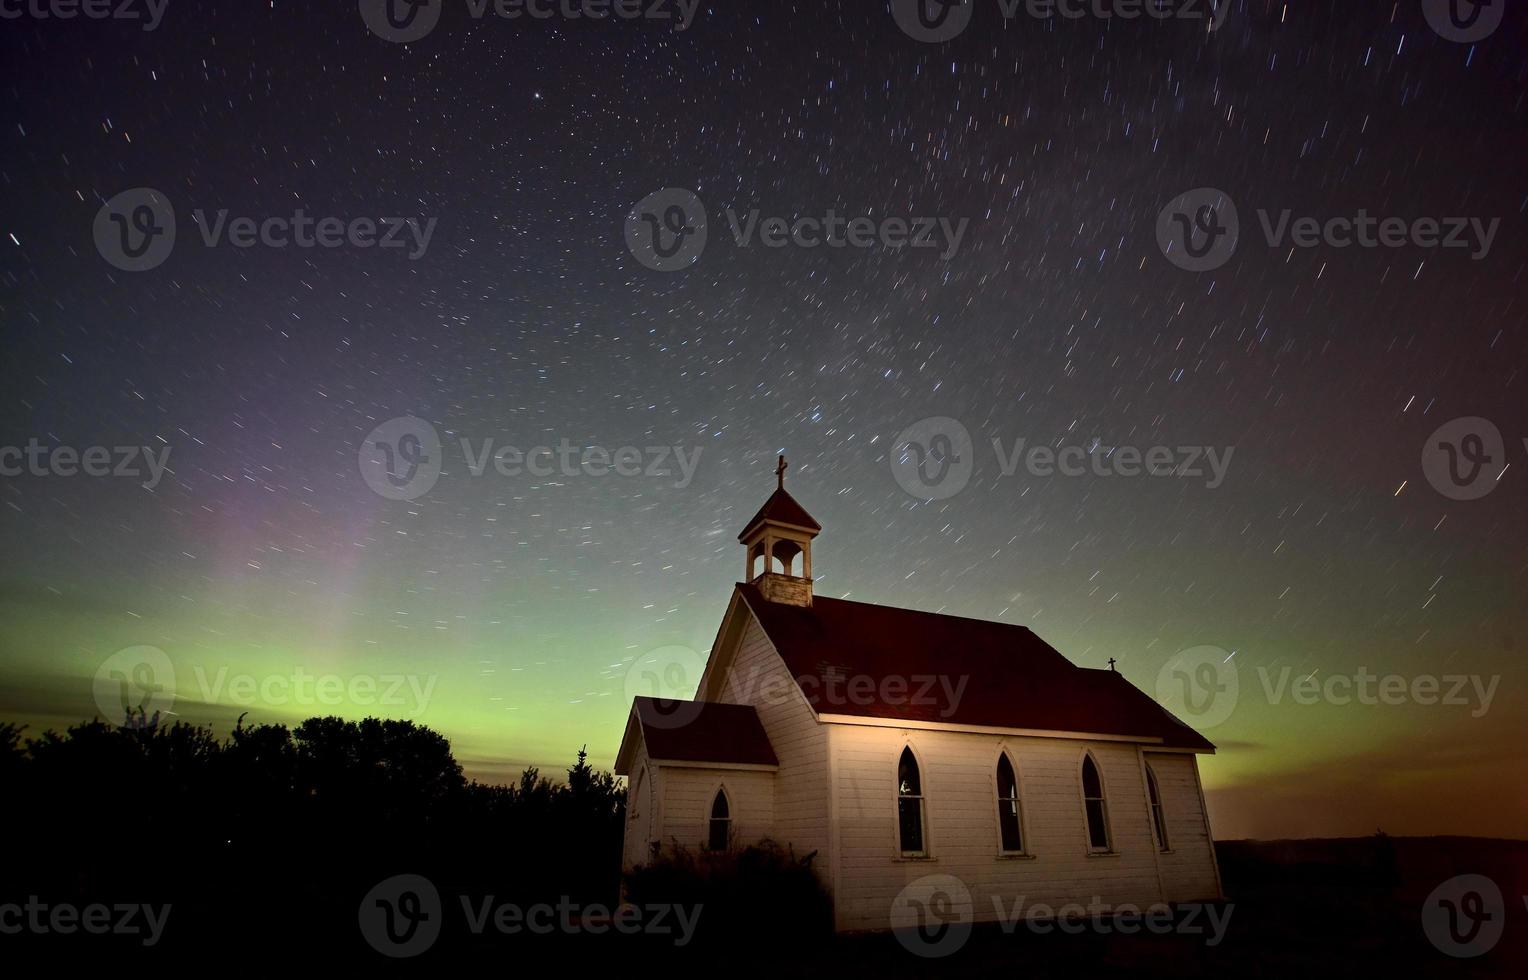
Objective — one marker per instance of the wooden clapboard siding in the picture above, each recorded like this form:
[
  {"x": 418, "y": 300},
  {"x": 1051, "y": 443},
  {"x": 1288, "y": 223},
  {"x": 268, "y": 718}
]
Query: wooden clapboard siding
[
  {"x": 1188, "y": 869},
  {"x": 640, "y": 815},
  {"x": 688, "y": 793},
  {"x": 756, "y": 675},
  {"x": 959, "y": 784}
]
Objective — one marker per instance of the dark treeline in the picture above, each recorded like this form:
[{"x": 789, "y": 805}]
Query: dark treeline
[{"x": 289, "y": 827}]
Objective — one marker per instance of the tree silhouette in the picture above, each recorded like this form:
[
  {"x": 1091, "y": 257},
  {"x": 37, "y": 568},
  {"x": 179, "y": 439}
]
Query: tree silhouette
[{"x": 305, "y": 820}]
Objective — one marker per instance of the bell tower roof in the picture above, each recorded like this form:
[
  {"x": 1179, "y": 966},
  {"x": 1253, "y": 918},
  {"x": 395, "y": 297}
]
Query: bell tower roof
[
  {"x": 779, "y": 545},
  {"x": 781, "y": 508}
]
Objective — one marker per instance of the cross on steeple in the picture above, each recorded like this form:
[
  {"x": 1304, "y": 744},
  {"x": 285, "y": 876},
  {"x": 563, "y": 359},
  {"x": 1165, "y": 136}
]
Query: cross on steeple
[
  {"x": 780, "y": 472},
  {"x": 1111, "y": 664}
]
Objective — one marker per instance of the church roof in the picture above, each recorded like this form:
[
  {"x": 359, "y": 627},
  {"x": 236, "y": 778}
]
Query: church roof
[
  {"x": 703, "y": 731},
  {"x": 781, "y": 508},
  {"x": 953, "y": 670}
]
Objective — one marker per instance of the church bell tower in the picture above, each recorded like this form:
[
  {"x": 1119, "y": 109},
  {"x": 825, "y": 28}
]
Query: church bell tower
[{"x": 778, "y": 542}]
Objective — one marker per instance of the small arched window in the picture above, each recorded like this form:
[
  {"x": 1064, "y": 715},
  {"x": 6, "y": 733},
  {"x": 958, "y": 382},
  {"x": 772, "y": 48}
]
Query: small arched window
[
  {"x": 1010, "y": 817},
  {"x": 1095, "y": 806},
  {"x": 634, "y": 798},
  {"x": 910, "y": 806},
  {"x": 1158, "y": 819},
  {"x": 721, "y": 823}
]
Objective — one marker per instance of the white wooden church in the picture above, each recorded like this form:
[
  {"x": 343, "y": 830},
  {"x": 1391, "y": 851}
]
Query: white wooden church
[{"x": 894, "y": 744}]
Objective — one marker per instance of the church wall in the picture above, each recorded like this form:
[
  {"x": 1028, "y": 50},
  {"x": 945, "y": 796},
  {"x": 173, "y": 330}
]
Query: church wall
[
  {"x": 1188, "y": 869},
  {"x": 758, "y": 676},
  {"x": 641, "y": 812},
  {"x": 959, "y": 781},
  {"x": 689, "y": 792}
]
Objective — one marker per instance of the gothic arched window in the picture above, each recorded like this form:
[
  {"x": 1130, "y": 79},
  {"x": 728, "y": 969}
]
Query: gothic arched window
[
  {"x": 910, "y": 805},
  {"x": 1158, "y": 818},
  {"x": 1094, "y": 805},
  {"x": 721, "y": 823},
  {"x": 1010, "y": 822}
]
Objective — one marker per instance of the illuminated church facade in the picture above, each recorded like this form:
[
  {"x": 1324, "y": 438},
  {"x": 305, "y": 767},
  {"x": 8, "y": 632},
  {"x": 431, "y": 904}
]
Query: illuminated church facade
[{"x": 891, "y": 744}]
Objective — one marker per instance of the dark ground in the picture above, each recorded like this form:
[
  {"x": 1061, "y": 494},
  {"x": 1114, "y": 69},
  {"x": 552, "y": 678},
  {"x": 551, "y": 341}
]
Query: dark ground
[{"x": 1348, "y": 907}]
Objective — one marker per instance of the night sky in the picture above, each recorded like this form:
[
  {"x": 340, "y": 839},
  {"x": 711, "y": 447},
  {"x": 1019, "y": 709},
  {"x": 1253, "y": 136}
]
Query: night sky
[{"x": 524, "y": 599}]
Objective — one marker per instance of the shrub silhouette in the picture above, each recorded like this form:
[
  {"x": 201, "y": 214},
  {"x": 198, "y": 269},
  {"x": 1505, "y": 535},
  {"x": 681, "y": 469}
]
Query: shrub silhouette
[{"x": 738, "y": 891}]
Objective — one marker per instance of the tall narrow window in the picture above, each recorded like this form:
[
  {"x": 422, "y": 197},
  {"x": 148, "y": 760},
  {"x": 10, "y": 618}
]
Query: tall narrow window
[
  {"x": 1010, "y": 824},
  {"x": 634, "y": 799},
  {"x": 910, "y": 805},
  {"x": 721, "y": 823},
  {"x": 1158, "y": 819},
  {"x": 1094, "y": 804}
]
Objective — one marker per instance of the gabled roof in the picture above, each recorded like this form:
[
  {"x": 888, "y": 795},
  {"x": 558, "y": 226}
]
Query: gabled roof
[
  {"x": 781, "y": 508},
  {"x": 952, "y": 670},
  {"x": 697, "y": 731}
]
